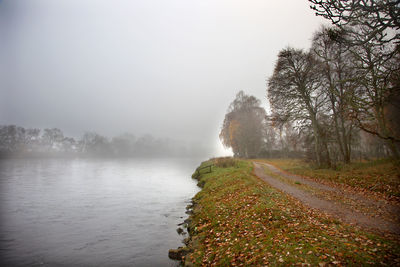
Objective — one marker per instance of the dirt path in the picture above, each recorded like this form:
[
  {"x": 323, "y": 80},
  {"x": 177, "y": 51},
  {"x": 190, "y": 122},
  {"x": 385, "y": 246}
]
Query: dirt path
[
  {"x": 379, "y": 207},
  {"x": 337, "y": 209}
]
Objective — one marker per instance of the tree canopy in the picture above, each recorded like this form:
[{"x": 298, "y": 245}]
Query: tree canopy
[{"x": 242, "y": 129}]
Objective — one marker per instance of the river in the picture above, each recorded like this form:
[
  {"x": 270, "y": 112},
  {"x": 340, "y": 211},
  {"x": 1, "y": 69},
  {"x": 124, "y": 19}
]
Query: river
[{"x": 92, "y": 212}]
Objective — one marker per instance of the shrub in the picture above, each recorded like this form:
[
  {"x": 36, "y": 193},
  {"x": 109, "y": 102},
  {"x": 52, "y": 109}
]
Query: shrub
[{"x": 225, "y": 162}]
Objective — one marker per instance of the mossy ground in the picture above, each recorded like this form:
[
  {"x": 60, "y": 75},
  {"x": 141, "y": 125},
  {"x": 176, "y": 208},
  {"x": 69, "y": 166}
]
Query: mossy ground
[{"x": 239, "y": 220}]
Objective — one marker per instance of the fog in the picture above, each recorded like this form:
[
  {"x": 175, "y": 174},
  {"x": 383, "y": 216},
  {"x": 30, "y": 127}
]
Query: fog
[{"x": 165, "y": 68}]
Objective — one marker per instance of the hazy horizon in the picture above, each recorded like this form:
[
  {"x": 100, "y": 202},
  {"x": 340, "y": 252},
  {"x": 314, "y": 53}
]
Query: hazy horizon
[{"x": 169, "y": 69}]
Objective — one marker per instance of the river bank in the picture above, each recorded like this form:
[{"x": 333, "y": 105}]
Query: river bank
[{"x": 238, "y": 219}]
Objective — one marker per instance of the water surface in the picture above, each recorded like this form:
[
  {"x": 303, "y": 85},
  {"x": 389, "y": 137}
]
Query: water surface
[{"x": 92, "y": 212}]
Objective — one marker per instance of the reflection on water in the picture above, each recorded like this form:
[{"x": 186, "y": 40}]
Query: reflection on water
[{"x": 92, "y": 212}]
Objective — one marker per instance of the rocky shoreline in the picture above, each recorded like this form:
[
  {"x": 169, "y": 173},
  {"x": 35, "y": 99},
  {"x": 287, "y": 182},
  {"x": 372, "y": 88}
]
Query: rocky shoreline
[{"x": 180, "y": 253}]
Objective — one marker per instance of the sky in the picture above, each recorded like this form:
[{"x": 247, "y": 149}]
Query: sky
[{"x": 165, "y": 68}]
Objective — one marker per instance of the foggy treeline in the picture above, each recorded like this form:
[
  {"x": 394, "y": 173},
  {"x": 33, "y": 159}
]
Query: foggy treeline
[
  {"x": 337, "y": 101},
  {"x": 16, "y": 141}
]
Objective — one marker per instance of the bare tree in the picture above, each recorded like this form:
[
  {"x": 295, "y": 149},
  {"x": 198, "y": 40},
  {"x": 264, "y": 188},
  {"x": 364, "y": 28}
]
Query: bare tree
[
  {"x": 379, "y": 17},
  {"x": 337, "y": 82},
  {"x": 52, "y": 139},
  {"x": 12, "y": 139},
  {"x": 376, "y": 89},
  {"x": 371, "y": 31},
  {"x": 294, "y": 91},
  {"x": 95, "y": 144}
]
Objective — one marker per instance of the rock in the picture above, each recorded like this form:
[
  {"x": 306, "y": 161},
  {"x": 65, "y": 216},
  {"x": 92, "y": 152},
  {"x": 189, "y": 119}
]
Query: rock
[
  {"x": 201, "y": 184},
  {"x": 186, "y": 241},
  {"x": 177, "y": 254},
  {"x": 179, "y": 230}
]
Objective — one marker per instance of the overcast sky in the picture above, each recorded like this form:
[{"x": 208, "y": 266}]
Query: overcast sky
[{"x": 168, "y": 68}]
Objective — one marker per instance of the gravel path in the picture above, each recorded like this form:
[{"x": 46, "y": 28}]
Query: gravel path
[{"x": 336, "y": 209}]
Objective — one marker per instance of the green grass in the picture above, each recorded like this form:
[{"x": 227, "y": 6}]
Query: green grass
[
  {"x": 240, "y": 220},
  {"x": 381, "y": 176}
]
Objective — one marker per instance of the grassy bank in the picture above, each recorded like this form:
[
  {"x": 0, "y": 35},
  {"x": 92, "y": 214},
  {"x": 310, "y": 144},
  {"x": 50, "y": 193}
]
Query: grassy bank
[
  {"x": 239, "y": 220},
  {"x": 382, "y": 176}
]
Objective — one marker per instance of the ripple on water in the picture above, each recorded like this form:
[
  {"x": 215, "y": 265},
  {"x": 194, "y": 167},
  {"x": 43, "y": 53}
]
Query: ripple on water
[{"x": 93, "y": 212}]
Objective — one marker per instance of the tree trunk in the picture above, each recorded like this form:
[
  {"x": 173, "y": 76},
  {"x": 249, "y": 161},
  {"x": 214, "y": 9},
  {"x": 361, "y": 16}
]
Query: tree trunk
[{"x": 317, "y": 137}]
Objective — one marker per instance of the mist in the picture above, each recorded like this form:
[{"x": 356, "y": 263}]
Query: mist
[
  {"x": 169, "y": 69},
  {"x": 208, "y": 132}
]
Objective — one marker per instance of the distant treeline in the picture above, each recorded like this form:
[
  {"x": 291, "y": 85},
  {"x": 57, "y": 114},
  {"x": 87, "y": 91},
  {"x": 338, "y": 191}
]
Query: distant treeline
[
  {"x": 17, "y": 141},
  {"x": 338, "y": 101}
]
